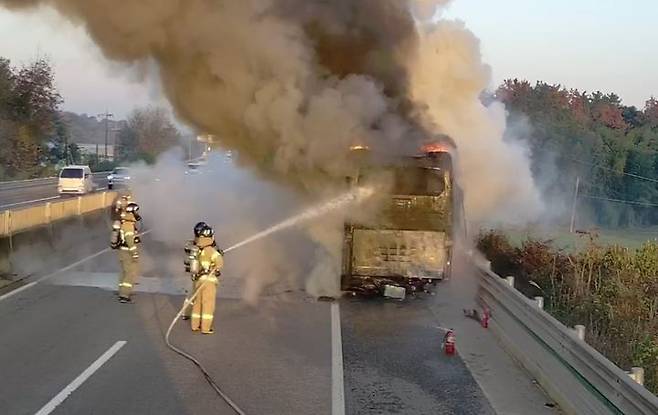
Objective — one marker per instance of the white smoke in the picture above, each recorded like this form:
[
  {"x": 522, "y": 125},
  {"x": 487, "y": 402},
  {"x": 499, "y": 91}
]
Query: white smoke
[{"x": 447, "y": 76}]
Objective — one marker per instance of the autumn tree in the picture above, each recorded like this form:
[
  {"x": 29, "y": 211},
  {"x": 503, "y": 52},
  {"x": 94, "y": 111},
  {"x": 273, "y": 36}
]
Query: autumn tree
[{"x": 613, "y": 148}]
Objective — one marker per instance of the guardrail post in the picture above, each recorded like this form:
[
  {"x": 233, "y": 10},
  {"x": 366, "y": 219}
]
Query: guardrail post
[
  {"x": 540, "y": 302},
  {"x": 580, "y": 331},
  {"x": 637, "y": 374},
  {"x": 79, "y": 205},
  {"x": 510, "y": 281},
  {"x": 104, "y": 199}
]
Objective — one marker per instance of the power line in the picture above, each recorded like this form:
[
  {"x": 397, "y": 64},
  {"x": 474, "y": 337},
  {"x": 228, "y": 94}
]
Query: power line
[
  {"x": 598, "y": 166},
  {"x": 604, "y": 189},
  {"x": 627, "y": 202}
]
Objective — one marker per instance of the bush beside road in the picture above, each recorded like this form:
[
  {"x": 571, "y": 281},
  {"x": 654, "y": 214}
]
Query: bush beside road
[{"x": 612, "y": 290}]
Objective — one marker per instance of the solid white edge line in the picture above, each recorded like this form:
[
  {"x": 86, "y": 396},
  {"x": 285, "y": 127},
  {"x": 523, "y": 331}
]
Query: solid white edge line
[
  {"x": 337, "y": 385},
  {"x": 29, "y": 201},
  {"x": 59, "y": 271},
  {"x": 71, "y": 387},
  {"x": 17, "y": 290}
]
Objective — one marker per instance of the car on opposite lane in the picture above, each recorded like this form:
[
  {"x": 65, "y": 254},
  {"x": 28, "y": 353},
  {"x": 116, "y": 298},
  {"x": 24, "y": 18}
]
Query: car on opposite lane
[{"x": 120, "y": 176}]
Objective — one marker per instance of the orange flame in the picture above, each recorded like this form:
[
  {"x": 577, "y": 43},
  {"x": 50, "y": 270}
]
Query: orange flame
[{"x": 435, "y": 148}]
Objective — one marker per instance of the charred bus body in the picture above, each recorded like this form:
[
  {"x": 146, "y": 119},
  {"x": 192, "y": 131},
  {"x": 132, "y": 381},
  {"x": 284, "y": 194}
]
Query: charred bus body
[{"x": 408, "y": 244}]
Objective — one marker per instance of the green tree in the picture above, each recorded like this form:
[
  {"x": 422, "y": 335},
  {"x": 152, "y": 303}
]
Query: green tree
[
  {"x": 148, "y": 133},
  {"x": 593, "y": 136},
  {"x": 28, "y": 111}
]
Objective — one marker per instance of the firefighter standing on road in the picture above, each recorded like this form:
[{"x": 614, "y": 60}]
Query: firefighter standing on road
[
  {"x": 205, "y": 268},
  {"x": 192, "y": 251},
  {"x": 125, "y": 240}
]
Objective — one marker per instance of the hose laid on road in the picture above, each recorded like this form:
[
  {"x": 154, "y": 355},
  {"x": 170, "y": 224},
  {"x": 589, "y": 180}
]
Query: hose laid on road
[{"x": 191, "y": 358}]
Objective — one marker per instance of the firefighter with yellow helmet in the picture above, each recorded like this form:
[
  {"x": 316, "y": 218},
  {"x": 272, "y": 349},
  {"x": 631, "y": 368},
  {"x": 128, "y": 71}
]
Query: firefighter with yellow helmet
[
  {"x": 125, "y": 239},
  {"x": 204, "y": 262}
]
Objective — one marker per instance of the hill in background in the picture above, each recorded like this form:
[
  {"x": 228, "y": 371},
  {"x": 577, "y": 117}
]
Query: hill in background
[{"x": 87, "y": 129}]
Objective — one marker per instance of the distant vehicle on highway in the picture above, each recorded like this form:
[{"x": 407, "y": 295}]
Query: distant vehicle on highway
[
  {"x": 120, "y": 176},
  {"x": 193, "y": 168},
  {"x": 75, "y": 180}
]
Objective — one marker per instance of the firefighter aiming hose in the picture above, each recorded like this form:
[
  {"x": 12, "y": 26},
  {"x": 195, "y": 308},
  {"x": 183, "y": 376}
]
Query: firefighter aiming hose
[{"x": 204, "y": 262}]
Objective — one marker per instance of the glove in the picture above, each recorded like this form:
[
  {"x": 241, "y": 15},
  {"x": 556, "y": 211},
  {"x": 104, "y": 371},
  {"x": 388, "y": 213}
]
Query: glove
[
  {"x": 138, "y": 240},
  {"x": 218, "y": 273},
  {"x": 221, "y": 251}
]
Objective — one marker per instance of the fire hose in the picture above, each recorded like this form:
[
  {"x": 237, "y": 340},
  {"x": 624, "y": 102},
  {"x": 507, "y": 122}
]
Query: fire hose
[
  {"x": 191, "y": 358},
  {"x": 349, "y": 197}
]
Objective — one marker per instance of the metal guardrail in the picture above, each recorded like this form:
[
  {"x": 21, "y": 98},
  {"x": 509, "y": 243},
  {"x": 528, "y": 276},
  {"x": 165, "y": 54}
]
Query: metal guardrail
[
  {"x": 17, "y": 184},
  {"x": 19, "y": 220},
  {"x": 580, "y": 379}
]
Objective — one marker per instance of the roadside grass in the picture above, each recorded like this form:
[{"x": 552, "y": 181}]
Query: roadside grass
[{"x": 561, "y": 238}]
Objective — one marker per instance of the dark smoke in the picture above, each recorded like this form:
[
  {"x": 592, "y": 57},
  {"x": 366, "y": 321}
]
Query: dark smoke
[{"x": 288, "y": 84}]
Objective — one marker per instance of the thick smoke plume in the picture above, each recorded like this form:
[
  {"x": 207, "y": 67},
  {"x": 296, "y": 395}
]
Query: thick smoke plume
[
  {"x": 289, "y": 85},
  {"x": 447, "y": 77},
  {"x": 238, "y": 205}
]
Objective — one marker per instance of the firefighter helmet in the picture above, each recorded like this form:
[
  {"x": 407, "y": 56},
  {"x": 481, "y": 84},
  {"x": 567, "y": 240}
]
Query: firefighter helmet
[
  {"x": 203, "y": 229},
  {"x": 199, "y": 227},
  {"x": 133, "y": 209}
]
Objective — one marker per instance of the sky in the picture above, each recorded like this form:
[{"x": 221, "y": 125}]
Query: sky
[{"x": 606, "y": 45}]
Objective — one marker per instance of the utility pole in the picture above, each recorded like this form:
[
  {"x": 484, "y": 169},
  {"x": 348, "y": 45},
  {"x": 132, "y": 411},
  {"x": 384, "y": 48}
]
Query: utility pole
[
  {"x": 115, "y": 146},
  {"x": 573, "y": 206},
  {"x": 66, "y": 149},
  {"x": 106, "y": 116}
]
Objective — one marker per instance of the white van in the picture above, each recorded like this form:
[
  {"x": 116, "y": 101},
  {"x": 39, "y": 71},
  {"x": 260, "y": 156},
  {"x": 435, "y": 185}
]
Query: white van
[{"x": 75, "y": 180}]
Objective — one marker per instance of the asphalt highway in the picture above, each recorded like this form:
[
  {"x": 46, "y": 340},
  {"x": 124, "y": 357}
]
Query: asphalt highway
[{"x": 68, "y": 347}]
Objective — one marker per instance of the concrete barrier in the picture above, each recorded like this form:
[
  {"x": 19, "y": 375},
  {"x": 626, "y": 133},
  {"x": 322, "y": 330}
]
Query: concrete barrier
[
  {"x": 15, "y": 221},
  {"x": 52, "y": 246},
  {"x": 577, "y": 377}
]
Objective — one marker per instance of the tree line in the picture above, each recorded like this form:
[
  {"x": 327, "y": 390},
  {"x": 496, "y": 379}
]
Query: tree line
[
  {"x": 611, "y": 147},
  {"x": 35, "y": 136}
]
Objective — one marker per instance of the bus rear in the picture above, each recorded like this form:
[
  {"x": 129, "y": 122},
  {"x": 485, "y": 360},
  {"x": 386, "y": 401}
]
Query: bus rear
[{"x": 408, "y": 246}]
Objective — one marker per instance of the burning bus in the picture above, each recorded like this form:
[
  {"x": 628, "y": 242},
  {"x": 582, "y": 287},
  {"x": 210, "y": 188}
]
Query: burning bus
[{"x": 407, "y": 245}]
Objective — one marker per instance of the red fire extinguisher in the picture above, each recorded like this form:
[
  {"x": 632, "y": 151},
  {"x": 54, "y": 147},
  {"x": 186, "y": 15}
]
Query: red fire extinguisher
[
  {"x": 449, "y": 342},
  {"x": 486, "y": 314}
]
